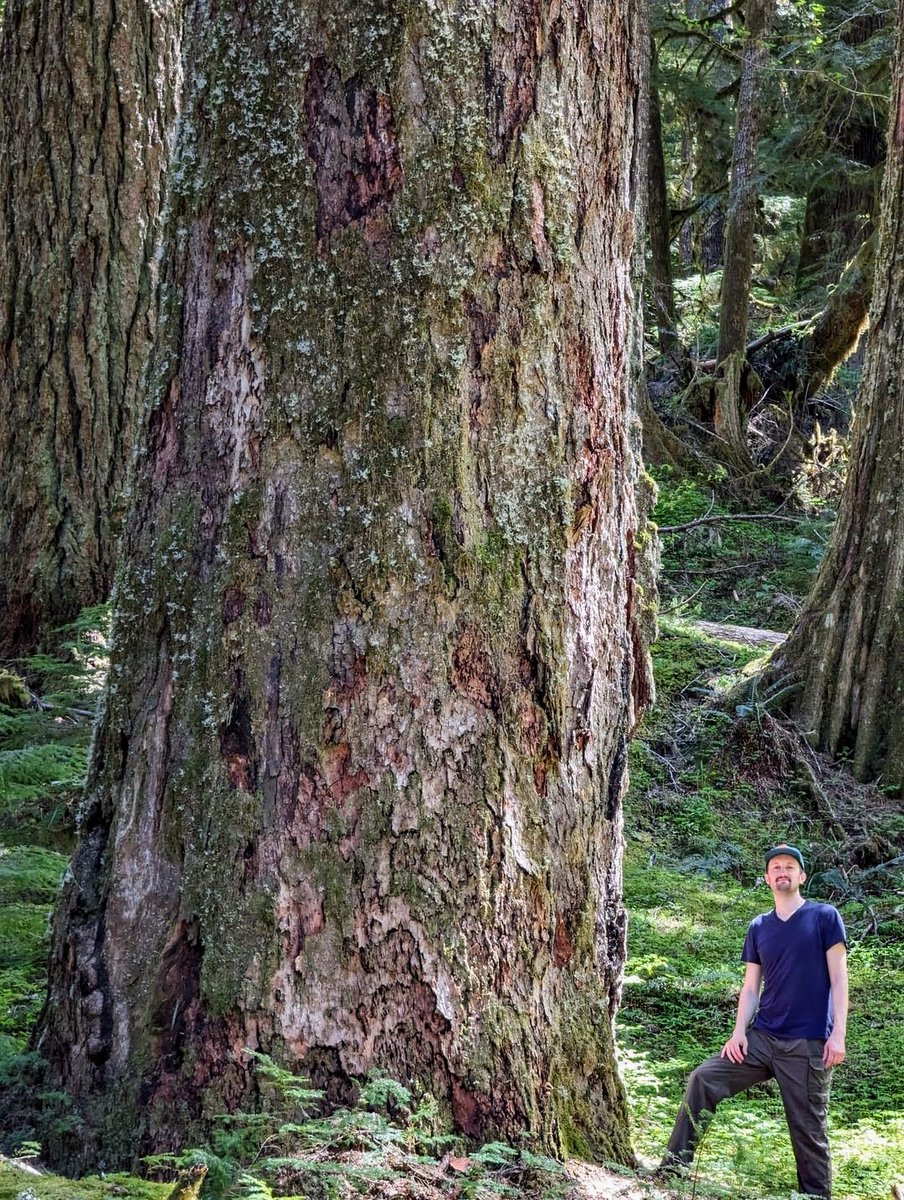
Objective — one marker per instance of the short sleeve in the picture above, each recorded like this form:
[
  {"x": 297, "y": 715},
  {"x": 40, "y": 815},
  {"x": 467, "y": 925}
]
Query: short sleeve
[
  {"x": 833, "y": 930},
  {"x": 750, "y": 954}
]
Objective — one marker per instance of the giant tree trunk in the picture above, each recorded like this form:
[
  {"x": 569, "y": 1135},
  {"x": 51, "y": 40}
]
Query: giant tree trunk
[
  {"x": 848, "y": 644},
  {"x": 356, "y": 795},
  {"x": 87, "y": 105}
]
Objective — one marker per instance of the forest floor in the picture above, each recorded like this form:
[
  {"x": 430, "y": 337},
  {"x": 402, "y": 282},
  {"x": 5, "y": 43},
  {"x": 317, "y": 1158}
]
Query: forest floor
[{"x": 716, "y": 771}]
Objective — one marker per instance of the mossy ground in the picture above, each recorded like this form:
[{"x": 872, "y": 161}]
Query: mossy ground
[
  {"x": 708, "y": 790},
  {"x": 14, "y": 1182}
]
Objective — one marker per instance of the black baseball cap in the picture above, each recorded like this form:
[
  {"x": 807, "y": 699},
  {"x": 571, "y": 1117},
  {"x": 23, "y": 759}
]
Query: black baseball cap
[{"x": 785, "y": 849}]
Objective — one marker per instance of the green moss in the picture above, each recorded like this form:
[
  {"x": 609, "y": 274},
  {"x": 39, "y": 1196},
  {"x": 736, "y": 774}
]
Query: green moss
[
  {"x": 30, "y": 874},
  {"x": 14, "y": 1182},
  {"x": 592, "y": 1113}
]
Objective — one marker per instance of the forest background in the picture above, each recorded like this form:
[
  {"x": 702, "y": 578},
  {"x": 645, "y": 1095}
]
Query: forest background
[{"x": 766, "y": 150}]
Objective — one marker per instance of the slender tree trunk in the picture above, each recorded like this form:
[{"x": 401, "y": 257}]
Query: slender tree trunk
[
  {"x": 685, "y": 237},
  {"x": 87, "y": 107},
  {"x": 848, "y": 644},
  {"x": 711, "y": 160},
  {"x": 743, "y": 189},
  {"x": 730, "y": 419},
  {"x": 356, "y": 796},
  {"x": 662, "y": 285}
]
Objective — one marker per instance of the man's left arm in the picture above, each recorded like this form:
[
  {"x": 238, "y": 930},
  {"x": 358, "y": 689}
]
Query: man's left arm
[{"x": 836, "y": 960}]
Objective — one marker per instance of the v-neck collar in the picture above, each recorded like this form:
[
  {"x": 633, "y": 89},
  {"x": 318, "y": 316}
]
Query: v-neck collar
[{"x": 791, "y": 916}]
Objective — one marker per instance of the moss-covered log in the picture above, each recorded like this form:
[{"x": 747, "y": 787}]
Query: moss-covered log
[
  {"x": 87, "y": 107},
  {"x": 355, "y": 799},
  {"x": 848, "y": 644}
]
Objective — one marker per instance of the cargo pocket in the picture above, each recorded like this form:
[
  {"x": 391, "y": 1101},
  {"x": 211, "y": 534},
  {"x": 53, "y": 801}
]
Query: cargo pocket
[{"x": 819, "y": 1077}]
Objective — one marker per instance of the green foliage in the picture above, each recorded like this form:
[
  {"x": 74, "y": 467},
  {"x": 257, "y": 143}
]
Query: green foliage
[
  {"x": 43, "y": 756},
  {"x": 298, "y": 1143},
  {"x": 743, "y": 572},
  {"x": 706, "y": 792},
  {"x": 44, "y": 746}
]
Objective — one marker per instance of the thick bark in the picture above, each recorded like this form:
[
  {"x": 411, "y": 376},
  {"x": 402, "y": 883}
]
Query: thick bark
[
  {"x": 86, "y": 114},
  {"x": 661, "y": 282},
  {"x": 848, "y": 644},
  {"x": 355, "y": 799},
  {"x": 743, "y": 188}
]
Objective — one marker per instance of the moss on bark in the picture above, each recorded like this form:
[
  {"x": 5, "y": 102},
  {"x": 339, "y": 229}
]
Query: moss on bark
[{"x": 378, "y": 636}]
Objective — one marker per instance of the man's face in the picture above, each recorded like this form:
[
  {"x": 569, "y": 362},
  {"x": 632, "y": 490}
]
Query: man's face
[{"x": 784, "y": 874}]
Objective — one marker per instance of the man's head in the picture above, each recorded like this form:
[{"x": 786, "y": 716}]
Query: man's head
[{"x": 785, "y": 869}]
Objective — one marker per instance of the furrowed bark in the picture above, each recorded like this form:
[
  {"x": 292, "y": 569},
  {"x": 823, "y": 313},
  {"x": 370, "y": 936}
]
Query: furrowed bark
[
  {"x": 356, "y": 796},
  {"x": 86, "y": 114}
]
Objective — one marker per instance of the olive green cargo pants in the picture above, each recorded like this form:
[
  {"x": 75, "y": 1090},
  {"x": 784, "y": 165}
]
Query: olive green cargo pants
[{"x": 797, "y": 1067}]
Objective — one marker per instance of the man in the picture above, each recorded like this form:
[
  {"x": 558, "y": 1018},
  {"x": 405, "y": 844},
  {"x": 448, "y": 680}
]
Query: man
[{"x": 798, "y": 954}]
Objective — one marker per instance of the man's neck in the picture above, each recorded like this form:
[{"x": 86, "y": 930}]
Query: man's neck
[{"x": 787, "y": 905}]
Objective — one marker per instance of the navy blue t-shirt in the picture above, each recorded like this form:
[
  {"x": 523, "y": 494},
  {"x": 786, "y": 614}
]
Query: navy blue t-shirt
[{"x": 796, "y": 998}]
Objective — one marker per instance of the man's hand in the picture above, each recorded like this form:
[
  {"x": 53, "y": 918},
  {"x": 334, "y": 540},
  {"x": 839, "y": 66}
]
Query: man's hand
[
  {"x": 833, "y": 1052},
  {"x": 736, "y": 1047}
]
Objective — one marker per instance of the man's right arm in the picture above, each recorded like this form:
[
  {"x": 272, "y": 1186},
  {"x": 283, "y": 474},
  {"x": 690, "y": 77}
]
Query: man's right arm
[{"x": 736, "y": 1046}]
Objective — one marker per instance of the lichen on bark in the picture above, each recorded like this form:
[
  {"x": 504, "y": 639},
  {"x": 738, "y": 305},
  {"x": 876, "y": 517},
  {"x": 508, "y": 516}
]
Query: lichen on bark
[{"x": 377, "y": 650}]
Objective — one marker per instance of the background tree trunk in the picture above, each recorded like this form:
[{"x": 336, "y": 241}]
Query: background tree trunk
[
  {"x": 86, "y": 112},
  {"x": 841, "y": 205},
  {"x": 743, "y": 188},
  {"x": 355, "y": 798},
  {"x": 848, "y": 644},
  {"x": 729, "y": 415},
  {"x": 836, "y": 331},
  {"x": 658, "y": 223}
]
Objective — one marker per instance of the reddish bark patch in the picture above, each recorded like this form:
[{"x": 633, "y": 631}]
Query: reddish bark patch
[
  {"x": 469, "y": 1111},
  {"x": 473, "y": 671},
  {"x": 340, "y": 780},
  {"x": 541, "y": 775},
  {"x": 351, "y": 138},
  {"x": 513, "y": 69},
  {"x": 562, "y": 947}
]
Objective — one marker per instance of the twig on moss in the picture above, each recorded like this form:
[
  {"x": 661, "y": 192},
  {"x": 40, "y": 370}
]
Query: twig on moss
[{"x": 711, "y": 520}]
